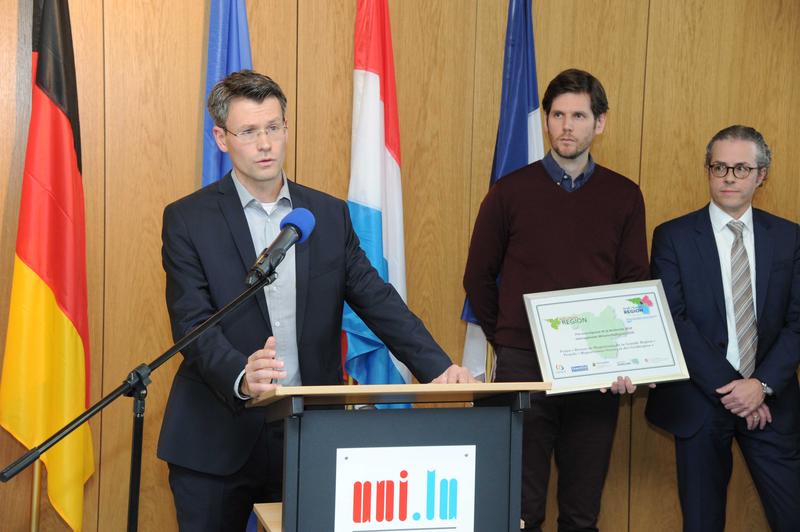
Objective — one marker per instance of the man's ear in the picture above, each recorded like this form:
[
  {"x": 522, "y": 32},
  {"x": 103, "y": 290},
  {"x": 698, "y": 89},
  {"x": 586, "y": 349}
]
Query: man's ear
[
  {"x": 600, "y": 124},
  {"x": 219, "y": 138},
  {"x": 761, "y": 178}
]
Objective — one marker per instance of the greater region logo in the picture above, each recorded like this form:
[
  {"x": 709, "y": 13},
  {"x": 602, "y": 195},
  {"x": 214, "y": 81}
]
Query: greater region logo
[
  {"x": 555, "y": 323},
  {"x": 642, "y": 305}
]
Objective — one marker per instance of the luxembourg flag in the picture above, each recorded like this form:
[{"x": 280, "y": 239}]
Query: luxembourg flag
[
  {"x": 375, "y": 197},
  {"x": 519, "y": 139}
]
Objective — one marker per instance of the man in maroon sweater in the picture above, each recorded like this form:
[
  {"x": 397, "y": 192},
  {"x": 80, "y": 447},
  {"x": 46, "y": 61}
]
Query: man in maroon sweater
[{"x": 562, "y": 222}]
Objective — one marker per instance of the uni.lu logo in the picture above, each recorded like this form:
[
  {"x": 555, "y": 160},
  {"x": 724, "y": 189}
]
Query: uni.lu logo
[
  {"x": 384, "y": 497},
  {"x": 430, "y": 487}
]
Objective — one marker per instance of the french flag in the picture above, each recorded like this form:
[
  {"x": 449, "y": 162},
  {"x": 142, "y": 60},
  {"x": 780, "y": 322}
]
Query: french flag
[
  {"x": 375, "y": 196},
  {"x": 519, "y": 139}
]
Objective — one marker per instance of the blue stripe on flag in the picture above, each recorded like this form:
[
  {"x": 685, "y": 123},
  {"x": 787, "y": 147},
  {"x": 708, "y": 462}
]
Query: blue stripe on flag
[
  {"x": 368, "y": 360},
  {"x": 228, "y": 51},
  {"x": 368, "y": 225}
]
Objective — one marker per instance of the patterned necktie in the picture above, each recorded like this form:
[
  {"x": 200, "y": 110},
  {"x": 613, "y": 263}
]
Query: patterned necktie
[{"x": 742, "y": 290}]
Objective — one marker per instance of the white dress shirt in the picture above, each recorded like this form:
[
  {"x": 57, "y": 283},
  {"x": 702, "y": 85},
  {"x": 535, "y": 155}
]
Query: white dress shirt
[
  {"x": 724, "y": 238},
  {"x": 263, "y": 220}
]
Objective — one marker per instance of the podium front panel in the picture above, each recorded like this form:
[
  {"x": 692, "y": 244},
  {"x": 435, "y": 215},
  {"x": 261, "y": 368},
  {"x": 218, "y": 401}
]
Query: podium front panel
[{"x": 492, "y": 430}]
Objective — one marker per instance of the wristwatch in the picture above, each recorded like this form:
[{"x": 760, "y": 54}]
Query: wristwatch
[{"x": 766, "y": 389}]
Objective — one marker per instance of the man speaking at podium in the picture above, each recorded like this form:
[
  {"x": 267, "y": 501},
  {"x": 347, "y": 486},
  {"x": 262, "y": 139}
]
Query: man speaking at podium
[{"x": 222, "y": 457}]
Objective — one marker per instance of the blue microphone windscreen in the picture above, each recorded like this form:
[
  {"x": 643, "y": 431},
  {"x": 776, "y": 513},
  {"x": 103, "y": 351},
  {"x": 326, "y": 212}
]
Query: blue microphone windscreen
[{"x": 303, "y": 220}]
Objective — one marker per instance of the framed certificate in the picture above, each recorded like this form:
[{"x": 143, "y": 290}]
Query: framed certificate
[{"x": 586, "y": 337}]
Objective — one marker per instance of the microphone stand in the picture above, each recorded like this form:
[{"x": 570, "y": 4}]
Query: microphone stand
[{"x": 135, "y": 385}]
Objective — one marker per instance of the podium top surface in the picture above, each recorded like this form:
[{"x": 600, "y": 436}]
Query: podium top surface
[
  {"x": 395, "y": 393},
  {"x": 269, "y": 516}
]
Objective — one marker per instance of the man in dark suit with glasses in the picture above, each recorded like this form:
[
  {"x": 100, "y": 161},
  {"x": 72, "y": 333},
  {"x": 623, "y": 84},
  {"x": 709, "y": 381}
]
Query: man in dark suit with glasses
[{"x": 731, "y": 274}]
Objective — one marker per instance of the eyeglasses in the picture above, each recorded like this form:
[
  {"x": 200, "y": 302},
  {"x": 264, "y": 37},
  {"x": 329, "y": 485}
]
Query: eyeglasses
[
  {"x": 740, "y": 171},
  {"x": 248, "y": 136}
]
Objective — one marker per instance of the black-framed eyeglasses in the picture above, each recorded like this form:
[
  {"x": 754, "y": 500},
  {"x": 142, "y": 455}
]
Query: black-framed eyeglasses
[
  {"x": 248, "y": 136},
  {"x": 740, "y": 171}
]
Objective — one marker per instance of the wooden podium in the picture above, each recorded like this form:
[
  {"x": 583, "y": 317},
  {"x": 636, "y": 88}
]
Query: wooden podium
[{"x": 487, "y": 416}]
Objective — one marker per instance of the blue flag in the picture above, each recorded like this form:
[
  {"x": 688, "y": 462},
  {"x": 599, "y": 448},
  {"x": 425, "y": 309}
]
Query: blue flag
[
  {"x": 228, "y": 51},
  {"x": 519, "y": 138}
]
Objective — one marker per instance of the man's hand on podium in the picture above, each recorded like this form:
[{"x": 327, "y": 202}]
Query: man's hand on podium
[
  {"x": 454, "y": 374},
  {"x": 262, "y": 369}
]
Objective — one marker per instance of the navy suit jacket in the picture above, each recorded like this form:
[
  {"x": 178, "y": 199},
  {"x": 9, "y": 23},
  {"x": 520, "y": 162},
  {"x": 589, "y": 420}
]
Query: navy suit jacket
[
  {"x": 207, "y": 251},
  {"x": 685, "y": 258}
]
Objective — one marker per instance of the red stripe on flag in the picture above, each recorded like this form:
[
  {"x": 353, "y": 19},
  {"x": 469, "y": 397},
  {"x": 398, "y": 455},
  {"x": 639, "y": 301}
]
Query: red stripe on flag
[
  {"x": 373, "y": 53},
  {"x": 51, "y": 237}
]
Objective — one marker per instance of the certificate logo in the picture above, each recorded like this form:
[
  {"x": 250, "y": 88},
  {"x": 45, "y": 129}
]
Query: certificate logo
[
  {"x": 555, "y": 323},
  {"x": 641, "y": 305}
]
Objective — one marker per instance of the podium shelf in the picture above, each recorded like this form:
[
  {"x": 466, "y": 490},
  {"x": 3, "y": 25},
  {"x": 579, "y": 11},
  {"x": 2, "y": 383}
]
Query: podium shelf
[{"x": 396, "y": 393}]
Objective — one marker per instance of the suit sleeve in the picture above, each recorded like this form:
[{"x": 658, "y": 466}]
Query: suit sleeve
[
  {"x": 631, "y": 264},
  {"x": 189, "y": 304},
  {"x": 484, "y": 260},
  {"x": 779, "y": 366},
  {"x": 386, "y": 314},
  {"x": 708, "y": 368}
]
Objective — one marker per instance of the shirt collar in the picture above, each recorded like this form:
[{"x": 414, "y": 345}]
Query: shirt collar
[
  {"x": 246, "y": 198},
  {"x": 556, "y": 172},
  {"x": 720, "y": 218}
]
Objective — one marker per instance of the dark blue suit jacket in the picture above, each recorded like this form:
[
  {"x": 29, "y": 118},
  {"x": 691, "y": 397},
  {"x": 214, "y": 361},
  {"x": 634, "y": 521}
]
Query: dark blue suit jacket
[
  {"x": 207, "y": 251},
  {"x": 685, "y": 258}
]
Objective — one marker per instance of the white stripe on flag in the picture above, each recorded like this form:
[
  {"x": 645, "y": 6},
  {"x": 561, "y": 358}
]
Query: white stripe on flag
[
  {"x": 375, "y": 179},
  {"x": 535, "y": 139},
  {"x": 475, "y": 352}
]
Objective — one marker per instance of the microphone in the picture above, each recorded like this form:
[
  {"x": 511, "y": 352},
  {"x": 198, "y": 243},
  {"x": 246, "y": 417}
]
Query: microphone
[{"x": 296, "y": 227}]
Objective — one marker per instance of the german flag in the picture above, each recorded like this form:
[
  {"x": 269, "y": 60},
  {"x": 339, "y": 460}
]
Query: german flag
[{"x": 45, "y": 379}]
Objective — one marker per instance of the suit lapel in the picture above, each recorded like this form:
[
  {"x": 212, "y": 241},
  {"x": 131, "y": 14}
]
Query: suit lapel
[
  {"x": 231, "y": 207},
  {"x": 709, "y": 257},
  {"x": 763, "y": 247},
  {"x": 301, "y": 258}
]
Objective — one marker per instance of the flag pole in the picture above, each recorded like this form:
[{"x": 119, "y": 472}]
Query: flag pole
[
  {"x": 487, "y": 377},
  {"x": 36, "y": 492}
]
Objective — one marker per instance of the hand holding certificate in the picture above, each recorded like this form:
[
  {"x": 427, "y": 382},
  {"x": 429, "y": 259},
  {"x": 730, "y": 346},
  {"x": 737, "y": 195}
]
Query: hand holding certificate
[{"x": 586, "y": 337}]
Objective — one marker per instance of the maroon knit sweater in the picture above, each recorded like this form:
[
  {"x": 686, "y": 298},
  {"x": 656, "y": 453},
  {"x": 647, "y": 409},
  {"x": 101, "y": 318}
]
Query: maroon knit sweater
[{"x": 538, "y": 237}]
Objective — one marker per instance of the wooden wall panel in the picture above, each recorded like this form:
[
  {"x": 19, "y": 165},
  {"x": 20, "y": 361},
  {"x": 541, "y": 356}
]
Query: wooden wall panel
[
  {"x": 87, "y": 36},
  {"x": 434, "y": 151},
  {"x": 710, "y": 64},
  {"x": 153, "y": 118},
  {"x": 489, "y": 50},
  {"x": 607, "y": 38},
  {"x": 15, "y": 101},
  {"x": 273, "y": 44},
  {"x": 324, "y": 97},
  {"x": 434, "y": 47}
]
